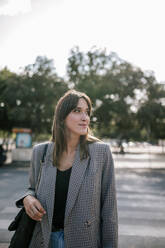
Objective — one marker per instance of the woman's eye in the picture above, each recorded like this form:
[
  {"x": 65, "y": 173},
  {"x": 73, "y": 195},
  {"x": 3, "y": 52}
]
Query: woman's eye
[{"x": 77, "y": 110}]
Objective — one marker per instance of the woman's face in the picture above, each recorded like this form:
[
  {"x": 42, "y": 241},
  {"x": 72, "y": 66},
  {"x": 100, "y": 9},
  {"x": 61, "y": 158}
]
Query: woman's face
[{"x": 78, "y": 119}]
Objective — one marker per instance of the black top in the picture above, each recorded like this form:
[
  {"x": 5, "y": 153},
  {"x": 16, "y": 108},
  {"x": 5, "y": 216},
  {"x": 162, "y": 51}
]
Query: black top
[{"x": 62, "y": 184}]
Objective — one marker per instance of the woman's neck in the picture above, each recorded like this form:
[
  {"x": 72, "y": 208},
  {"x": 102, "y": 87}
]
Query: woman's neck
[{"x": 72, "y": 145}]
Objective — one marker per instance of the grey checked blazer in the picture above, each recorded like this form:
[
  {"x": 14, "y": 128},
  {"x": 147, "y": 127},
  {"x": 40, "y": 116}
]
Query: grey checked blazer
[{"x": 91, "y": 210}]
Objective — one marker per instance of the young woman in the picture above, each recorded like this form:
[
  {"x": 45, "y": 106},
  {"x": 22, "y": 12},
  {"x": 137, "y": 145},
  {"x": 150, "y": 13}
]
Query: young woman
[{"x": 75, "y": 201}]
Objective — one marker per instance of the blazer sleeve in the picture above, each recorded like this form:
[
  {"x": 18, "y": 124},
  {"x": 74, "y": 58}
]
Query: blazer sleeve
[
  {"x": 109, "y": 216},
  {"x": 32, "y": 178}
]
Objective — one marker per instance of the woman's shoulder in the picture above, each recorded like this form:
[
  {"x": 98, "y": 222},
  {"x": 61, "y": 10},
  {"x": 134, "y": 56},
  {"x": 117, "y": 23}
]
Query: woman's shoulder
[
  {"x": 100, "y": 151},
  {"x": 99, "y": 145},
  {"x": 40, "y": 146}
]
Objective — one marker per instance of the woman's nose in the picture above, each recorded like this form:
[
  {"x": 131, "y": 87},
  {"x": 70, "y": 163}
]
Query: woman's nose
[{"x": 84, "y": 116}]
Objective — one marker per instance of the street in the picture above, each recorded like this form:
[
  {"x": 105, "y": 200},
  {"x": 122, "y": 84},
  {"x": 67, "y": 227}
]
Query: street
[
  {"x": 141, "y": 206},
  {"x": 141, "y": 203}
]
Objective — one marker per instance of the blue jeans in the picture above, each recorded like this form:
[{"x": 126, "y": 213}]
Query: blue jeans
[{"x": 57, "y": 239}]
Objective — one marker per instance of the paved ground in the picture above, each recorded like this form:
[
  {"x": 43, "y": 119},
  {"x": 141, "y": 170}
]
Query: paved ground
[
  {"x": 141, "y": 205},
  {"x": 140, "y": 193},
  {"x": 143, "y": 160}
]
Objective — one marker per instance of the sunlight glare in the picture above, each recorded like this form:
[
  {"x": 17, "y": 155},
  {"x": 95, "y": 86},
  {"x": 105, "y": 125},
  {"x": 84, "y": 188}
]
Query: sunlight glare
[{"x": 14, "y": 7}]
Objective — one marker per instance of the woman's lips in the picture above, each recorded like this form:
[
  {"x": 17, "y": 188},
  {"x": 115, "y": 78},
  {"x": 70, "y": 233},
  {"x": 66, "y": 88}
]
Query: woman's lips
[{"x": 83, "y": 125}]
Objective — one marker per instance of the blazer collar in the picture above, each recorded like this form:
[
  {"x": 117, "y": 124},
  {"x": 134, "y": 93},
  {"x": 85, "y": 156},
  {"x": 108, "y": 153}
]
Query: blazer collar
[{"x": 49, "y": 154}]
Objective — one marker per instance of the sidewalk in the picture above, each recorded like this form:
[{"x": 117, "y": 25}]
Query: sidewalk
[{"x": 139, "y": 161}]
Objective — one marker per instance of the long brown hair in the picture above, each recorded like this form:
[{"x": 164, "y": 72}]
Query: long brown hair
[{"x": 65, "y": 105}]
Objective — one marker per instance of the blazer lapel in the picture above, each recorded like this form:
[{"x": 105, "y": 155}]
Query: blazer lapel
[
  {"x": 50, "y": 179},
  {"x": 76, "y": 178},
  {"x": 47, "y": 191}
]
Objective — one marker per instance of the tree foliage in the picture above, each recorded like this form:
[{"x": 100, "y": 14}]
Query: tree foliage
[
  {"x": 121, "y": 94},
  {"x": 128, "y": 103},
  {"x": 28, "y": 100}
]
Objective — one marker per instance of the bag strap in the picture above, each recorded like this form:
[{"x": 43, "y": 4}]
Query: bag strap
[
  {"x": 44, "y": 153},
  {"x": 41, "y": 164}
]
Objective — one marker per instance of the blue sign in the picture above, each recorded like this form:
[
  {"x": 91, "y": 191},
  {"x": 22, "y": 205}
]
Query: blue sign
[{"x": 23, "y": 140}]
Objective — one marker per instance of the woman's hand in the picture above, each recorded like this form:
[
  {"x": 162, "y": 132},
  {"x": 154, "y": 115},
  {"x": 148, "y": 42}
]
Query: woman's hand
[{"x": 33, "y": 208}]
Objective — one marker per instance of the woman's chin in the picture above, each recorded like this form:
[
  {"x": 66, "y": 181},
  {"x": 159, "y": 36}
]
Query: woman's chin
[{"x": 83, "y": 133}]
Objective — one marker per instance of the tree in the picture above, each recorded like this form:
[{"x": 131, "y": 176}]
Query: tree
[
  {"x": 29, "y": 98},
  {"x": 111, "y": 83},
  {"x": 151, "y": 114},
  {"x": 128, "y": 103},
  {"x": 8, "y": 88}
]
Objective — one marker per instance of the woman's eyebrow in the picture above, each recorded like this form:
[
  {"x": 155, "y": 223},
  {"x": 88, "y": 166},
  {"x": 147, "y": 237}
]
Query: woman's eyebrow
[{"x": 81, "y": 108}]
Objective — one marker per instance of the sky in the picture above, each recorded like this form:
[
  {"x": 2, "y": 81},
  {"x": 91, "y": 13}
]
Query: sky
[{"x": 131, "y": 28}]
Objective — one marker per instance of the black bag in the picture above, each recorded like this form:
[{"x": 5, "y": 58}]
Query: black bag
[{"x": 23, "y": 225}]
